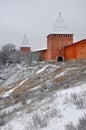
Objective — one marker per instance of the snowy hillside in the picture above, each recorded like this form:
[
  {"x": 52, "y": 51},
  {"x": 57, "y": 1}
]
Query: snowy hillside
[
  {"x": 43, "y": 96},
  {"x": 17, "y": 72}
]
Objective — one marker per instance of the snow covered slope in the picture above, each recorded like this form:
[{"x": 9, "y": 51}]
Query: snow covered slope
[
  {"x": 46, "y": 98},
  {"x": 17, "y": 72}
]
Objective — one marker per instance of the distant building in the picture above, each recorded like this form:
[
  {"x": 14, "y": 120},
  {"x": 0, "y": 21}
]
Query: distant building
[
  {"x": 60, "y": 44},
  {"x": 25, "y": 47}
]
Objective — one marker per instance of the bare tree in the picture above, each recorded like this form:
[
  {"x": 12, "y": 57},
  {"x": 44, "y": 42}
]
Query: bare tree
[
  {"x": 14, "y": 57},
  {"x": 9, "y": 54},
  {"x": 8, "y": 48}
]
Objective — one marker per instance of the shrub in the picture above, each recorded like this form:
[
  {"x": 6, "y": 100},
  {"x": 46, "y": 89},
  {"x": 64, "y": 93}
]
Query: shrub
[
  {"x": 81, "y": 125},
  {"x": 38, "y": 120},
  {"x": 53, "y": 113},
  {"x": 3, "y": 119},
  {"x": 79, "y": 101},
  {"x": 70, "y": 127}
]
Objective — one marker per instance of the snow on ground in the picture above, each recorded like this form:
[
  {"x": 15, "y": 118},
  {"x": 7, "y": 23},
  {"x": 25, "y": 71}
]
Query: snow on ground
[
  {"x": 6, "y": 94},
  {"x": 67, "y": 112},
  {"x": 55, "y": 111},
  {"x": 20, "y": 72},
  {"x": 52, "y": 68},
  {"x": 65, "y": 72},
  {"x": 17, "y": 72},
  {"x": 11, "y": 108}
]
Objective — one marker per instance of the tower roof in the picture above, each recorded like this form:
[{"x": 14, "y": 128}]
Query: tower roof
[
  {"x": 60, "y": 26},
  {"x": 25, "y": 42}
]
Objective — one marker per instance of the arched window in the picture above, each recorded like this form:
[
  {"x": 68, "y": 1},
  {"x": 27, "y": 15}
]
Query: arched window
[{"x": 60, "y": 58}]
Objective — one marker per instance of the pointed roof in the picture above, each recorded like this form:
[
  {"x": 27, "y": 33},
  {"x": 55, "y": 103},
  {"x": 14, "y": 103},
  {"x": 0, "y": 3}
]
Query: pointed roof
[
  {"x": 25, "y": 42},
  {"x": 60, "y": 26}
]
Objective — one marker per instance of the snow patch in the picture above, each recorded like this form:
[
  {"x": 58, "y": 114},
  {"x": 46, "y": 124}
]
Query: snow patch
[
  {"x": 6, "y": 94},
  {"x": 53, "y": 68}
]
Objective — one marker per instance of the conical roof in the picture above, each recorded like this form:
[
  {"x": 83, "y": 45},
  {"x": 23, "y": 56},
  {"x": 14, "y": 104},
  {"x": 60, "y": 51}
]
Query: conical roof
[
  {"x": 25, "y": 42},
  {"x": 60, "y": 26}
]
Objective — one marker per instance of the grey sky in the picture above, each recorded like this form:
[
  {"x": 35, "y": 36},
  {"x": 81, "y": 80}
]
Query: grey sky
[{"x": 36, "y": 18}]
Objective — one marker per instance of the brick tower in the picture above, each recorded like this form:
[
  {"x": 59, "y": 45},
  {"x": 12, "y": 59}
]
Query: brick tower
[
  {"x": 25, "y": 47},
  {"x": 57, "y": 39}
]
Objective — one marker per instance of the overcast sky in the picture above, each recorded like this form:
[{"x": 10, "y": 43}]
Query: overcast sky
[{"x": 36, "y": 18}]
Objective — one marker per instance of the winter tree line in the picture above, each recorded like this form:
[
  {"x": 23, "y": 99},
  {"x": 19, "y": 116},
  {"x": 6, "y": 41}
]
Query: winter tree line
[{"x": 9, "y": 54}]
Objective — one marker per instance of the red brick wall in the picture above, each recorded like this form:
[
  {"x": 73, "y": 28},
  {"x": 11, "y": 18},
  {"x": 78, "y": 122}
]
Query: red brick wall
[
  {"x": 81, "y": 49},
  {"x": 55, "y": 45},
  {"x": 25, "y": 49},
  {"x": 44, "y": 54},
  {"x": 75, "y": 51},
  {"x": 70, "y": 52}
]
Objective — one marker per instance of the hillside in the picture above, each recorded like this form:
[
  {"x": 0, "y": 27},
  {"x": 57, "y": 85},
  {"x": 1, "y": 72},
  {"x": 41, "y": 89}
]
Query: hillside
[{"x": 43, "y": 96}]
